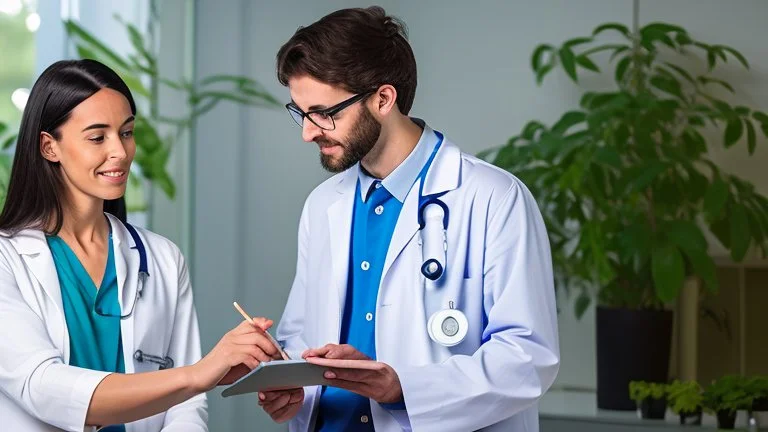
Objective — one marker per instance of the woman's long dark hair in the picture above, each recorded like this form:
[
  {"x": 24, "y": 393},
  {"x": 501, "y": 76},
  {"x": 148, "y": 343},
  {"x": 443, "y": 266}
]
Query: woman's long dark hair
[{"x": 35, "y": 187}]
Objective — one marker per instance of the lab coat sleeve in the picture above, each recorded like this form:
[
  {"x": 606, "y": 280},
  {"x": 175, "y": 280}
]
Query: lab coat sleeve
[
  {"x": 192, "y": 414},
  {"x": 32, "y": 370},
  {"x": 291, "y": 326},
  {"x": 519, "y": 358}
]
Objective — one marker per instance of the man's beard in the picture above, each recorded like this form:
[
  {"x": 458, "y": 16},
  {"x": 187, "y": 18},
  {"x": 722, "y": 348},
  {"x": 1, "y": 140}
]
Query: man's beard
[{"x": 361, "y": 140}]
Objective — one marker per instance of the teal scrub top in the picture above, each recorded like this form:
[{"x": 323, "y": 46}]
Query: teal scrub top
[{"x": 92, "y": 313}]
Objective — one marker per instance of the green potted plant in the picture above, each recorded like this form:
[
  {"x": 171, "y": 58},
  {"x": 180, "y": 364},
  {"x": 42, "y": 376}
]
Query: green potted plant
[
  {"x": 757, "y": 386},
  {"x": 627, "y": 188},
  {"x": 650, "y": 398},
  {"x": 685, "y": 399},
  {"x": 6, "y": 159},
  {"x": 725, "y": 397}
]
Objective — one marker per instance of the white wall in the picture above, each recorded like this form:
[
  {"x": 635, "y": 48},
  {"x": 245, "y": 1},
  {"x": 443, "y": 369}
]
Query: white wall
[{"x": 475, "y": 84}]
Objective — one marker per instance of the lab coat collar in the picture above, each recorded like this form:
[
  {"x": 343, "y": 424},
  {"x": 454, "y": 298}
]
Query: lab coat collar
[
  {"x": 33, "y": 247},
  {"x": 400, "y": 181}
]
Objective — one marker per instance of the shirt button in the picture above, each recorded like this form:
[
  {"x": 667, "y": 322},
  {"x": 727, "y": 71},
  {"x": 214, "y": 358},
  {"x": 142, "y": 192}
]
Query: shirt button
[
  {"x": 377, "y": 185},
  {"x": 379, "y": 210},
  {"x": 364, "y": 419},
  {"x": 368, "y": 316},
  {"x": 365, "y": 265}
]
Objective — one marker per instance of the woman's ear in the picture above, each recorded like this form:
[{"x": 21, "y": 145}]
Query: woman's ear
[
  {"x": 49, "y": 147},
  {"x": 385, "y": 98}
]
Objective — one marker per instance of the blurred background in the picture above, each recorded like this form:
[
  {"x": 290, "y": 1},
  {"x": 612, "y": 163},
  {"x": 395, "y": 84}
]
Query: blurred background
[{"x": 680, "y": 295}]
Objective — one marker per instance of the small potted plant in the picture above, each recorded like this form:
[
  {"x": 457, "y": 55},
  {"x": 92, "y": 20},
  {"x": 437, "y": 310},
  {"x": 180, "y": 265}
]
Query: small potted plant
[
  {"x": 725, "y": 397},
  {"x": 758, "y": 387},
  {"x": 650, "y": 397},
  {"x": 685, "y": 400}
]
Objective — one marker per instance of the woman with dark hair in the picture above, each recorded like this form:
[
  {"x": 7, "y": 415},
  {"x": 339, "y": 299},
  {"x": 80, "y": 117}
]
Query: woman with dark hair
[{"x": 98, "y": 321}]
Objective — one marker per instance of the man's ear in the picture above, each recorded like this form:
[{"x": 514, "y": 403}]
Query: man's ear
[
  {"x": 385, "y": 98},
  {"x": 49, "y": 147}
]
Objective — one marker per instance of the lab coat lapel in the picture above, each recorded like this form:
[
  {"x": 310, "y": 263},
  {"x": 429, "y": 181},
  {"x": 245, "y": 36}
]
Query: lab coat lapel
[
  {"x": 443, "y": 176},
  {"x": 33, "y": 248},
  {"x": 340, "y": 227},
  {"x": 126, "y": 270}
]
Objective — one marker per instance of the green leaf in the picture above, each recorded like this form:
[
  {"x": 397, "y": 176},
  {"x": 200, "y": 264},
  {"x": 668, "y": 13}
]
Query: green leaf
[
  {"x": 733, "y": 131},
  {"x": 73, "y": 28},
  {"x": 586, "y": 63},
  {"x": 538, "y": 53},
  {"x": 663, "y": 28},
  {"x": 542, "y": 72},
  {"x": 621, "y": 68},
  {"x": 708, "y": 80},
  {"x": 642, "y": 176},
  {"x": 9, "y": 142},
  {"x": 604, "y": 48},
  {"x": 577, "y": 41},
  {"x": 607, "y": 156},
  {"x": 760, "y": 116},
  {"x": 740, "y": 236},
  {"x": 3, "y": 128},
  {"x": 715, "y": 199},
  {"x": 751, "y": 136},
  {"x": 711, "y": 59},
  {"x": 686, "y": 235},
  {"x": 668, "y": 271},
  {"x": 569, "y": 62},
  {"x": 682, "y": 72},
  {"x": 650, "y": 35},
  {"x": 137, "y": 40},
  {"x": 738, "y": 56},
  {"x": 667, "y": 85},
  {"x": 568, "y": 120},
  {"x": 611, "y": 26},
  {"x": 530, "y": 129},
  {"x": 704, "y": 266},
  {"x": 581, "y": 305}
]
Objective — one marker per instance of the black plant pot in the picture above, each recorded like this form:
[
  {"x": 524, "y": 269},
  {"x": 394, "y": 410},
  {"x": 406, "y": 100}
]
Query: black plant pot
[
  {"x": 691, "y": 418},
  {"x": 726, "y": 419},
  {"x": 631, "y": 345},
  {"x": 651, "y": 408},
  {"x": 760, "y": 404}
]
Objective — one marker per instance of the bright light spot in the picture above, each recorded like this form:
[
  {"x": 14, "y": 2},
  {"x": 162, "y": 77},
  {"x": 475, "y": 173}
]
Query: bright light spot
[
  {"x": 19, "y": 98},
  {"x": 11, "y": 7},
  {"x": 33, "y": 22}
]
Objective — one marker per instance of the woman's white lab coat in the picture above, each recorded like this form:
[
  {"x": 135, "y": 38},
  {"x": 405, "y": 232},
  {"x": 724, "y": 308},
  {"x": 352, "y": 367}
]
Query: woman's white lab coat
[
  {"x": 39, "y": 391},
  {"x": 499, "y": 273}
]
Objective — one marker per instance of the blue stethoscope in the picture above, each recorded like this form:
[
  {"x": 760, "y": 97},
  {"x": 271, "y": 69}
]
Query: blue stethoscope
[
  {"x": 164, "y": 362},
  {"x": 447, "y": 327}
]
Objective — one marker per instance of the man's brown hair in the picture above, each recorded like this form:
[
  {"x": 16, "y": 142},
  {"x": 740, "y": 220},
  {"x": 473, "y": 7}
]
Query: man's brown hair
[{"x": 356, "y": 49}]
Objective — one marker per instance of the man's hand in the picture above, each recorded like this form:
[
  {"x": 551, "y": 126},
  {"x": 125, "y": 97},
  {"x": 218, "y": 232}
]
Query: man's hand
[
  {"x": 282, "y": 405},
  {"x": 352, "y": 370}
]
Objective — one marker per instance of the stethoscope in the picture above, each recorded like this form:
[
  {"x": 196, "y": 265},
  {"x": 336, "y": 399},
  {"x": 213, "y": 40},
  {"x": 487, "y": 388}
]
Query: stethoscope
[
  {"x": 164, "y": 362},
  {"x": 448, "y": 326}
]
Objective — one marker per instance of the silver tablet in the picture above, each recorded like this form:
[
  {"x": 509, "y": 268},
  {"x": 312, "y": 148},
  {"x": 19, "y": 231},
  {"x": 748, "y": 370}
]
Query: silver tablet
[{"x": 278, "y": 375}]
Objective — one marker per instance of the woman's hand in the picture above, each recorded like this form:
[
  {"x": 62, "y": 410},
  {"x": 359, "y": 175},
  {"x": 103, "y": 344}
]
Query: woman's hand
[{"x": 236, "y": 354}]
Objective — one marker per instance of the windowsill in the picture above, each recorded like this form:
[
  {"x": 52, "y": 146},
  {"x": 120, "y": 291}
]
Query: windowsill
[{"x": 581, "y": 406}]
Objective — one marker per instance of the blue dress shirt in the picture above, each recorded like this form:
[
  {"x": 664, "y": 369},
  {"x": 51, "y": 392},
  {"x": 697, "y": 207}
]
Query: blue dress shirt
[{"x": 375, "y": 213}]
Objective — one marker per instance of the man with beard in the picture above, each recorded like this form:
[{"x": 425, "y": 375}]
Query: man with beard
[{"x": 424, "y": 279}]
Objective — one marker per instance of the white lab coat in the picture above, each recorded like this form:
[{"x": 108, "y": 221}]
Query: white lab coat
[
  {"x": 39, "y": 391},
  {"x": 499, "y": 273}
]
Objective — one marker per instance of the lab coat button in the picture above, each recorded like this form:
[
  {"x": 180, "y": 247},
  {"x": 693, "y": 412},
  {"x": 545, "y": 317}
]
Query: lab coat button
[
  {"x": 379, "y": 210},
  {"x": 368, "y": 316},
  {"x": 365, "y": 265},
  {"x": 364, "y": 419}
]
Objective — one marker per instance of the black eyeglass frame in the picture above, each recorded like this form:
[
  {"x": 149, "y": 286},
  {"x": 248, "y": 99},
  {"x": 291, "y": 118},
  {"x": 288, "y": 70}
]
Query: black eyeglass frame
[{"x": 327, "y": 112}]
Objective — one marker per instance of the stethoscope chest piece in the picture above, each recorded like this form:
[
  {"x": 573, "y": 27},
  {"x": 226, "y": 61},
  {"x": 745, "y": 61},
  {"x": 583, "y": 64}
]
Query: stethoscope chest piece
[{"x": 448, "y": 327}]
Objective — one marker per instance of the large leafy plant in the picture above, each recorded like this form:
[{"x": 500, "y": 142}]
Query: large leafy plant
[
  {"x": 141, "y": 74},
  {"x": 6, "y": 159},
  {"x": 625, "y": 182}
]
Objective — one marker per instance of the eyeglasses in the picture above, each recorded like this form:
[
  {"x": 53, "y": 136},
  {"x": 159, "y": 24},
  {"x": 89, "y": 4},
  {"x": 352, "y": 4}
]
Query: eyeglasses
[{"x": 323, "y": 118}]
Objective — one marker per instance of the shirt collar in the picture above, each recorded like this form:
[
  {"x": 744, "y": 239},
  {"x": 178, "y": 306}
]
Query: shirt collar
[{"x": 399, "y": 181}]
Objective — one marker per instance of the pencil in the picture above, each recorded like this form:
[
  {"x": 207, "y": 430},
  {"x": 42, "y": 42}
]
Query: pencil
[{"x": 280, "y": 349}]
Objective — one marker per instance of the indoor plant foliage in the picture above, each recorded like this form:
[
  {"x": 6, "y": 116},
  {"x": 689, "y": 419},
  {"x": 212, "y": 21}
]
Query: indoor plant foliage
[
  {"x": 650, "y": 398},
  {"x": 141, "y": 74},
  {"x": 627, "y": 189},
  {"x": 685, "y": 399},
  {"x": 725, "y": 396},
  {"x": 625, "y": 183}
]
